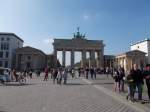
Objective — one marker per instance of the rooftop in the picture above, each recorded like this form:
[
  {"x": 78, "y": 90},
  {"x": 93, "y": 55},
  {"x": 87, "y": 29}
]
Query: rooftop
[
  {"x": 146, "y": 39},
  {"x": 13, "y": 34}
]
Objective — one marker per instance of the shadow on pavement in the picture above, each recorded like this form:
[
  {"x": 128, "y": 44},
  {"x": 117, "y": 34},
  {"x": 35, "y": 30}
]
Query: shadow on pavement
[
  {"x": 16, "y": 84},
  {"x": 75, "y": 84},
  {"x": 109, "y": 83}
]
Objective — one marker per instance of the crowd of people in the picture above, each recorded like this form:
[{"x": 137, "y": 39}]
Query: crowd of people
[{"x": 134, "y": 80}]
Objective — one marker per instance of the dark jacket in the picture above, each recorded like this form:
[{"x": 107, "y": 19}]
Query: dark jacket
[{"x": 137, "y": 76}]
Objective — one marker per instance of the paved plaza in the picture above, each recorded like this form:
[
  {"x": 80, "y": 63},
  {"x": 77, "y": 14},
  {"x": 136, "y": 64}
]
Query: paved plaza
[{"x": 79, "y": 95}]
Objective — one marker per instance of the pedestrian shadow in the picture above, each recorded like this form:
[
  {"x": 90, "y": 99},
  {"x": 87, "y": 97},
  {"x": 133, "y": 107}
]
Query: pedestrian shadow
[
  {"x": 105, "y": 83},
  {"x": 145, "y": 101},
  {"x": 75, "y": 84},
  {"x": 17, "y": 84}
]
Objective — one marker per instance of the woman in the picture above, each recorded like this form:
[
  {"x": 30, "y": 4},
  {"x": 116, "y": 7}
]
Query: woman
[{"x": 117, "y": 81}]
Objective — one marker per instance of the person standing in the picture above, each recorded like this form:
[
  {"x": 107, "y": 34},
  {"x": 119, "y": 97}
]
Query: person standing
[
  {"x": 46, "y": 74},
  {"x": 117, "y": 81},
  {"x": 87, "y": 72},
  {"x": 121, "y": 76},
  {"x": 138, "y": 80},
  {"x": 92, "y": 72},
  {"x": 59, "y": 76},
  {"x": 95, "y": 71},
  {"x": 65, "y": 76},
  {"x": 130, "y": 86},
  {"x": 55, "y": 72},
  {"x": 147, "y": 79}
]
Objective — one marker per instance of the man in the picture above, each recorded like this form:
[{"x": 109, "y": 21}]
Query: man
[
  {"x": 146, "y": 74},
  {"x": 87, "y": 72},
  {"x": 138, "y": 80},
  {"x": 92, "y": 72}
]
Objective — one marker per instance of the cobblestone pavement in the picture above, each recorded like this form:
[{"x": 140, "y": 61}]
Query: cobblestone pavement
[
  {"x": 107, "y": 82},
  {"x": 77, "y": 96}
]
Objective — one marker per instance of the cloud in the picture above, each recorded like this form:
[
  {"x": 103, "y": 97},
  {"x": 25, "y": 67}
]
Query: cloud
[
  {"x": 48, "y": 40},
  {"x": 86, "y": 16},
  {"x": 90, "y": 16}
]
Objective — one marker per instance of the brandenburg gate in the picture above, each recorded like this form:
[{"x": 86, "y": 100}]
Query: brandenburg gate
[{"x": 81, "y": 44}]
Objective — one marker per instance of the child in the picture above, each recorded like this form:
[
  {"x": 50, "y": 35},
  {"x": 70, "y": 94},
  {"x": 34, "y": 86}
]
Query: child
[{"x": 130, "y": 84}]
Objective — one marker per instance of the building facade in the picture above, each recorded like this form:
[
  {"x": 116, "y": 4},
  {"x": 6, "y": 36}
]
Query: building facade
[
  {"x": 109, "y": 61},
  {"x": 127, "y": 59},
  {"x": 144, "y": 46},
  {"x": 29, "y": 58},
  {"x": 9, "y": 42}
]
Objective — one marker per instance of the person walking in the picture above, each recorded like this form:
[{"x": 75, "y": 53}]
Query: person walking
[
  {"x": 117, "y": 81},
  {"x": 87, "y": 72},
  {"x": 65, "y": 76},
  {"x": 95, "y": 72},
  {"x": 59, "y": 76},
  {"x": 130, "y": 86},
  {"x": 92, "y": 72},
  {"x": 46, "y": 74},
  {"x": 138, "y": 80},
  {"x": 122, "y": 78},
  {"x": 147, "y": 79},
  {"x": 55, "y": 72}
]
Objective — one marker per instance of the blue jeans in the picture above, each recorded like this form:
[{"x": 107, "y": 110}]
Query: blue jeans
[{"x": 139, "y": 87}]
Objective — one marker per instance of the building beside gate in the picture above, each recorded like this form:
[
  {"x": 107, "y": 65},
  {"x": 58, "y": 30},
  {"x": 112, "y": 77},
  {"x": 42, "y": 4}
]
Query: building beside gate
[
  {"x": 129, "y": 58},
  {"x": 9, "y": 42},
  {"x": 30, "y": 58},
  {"x": 144, "y": 46}
]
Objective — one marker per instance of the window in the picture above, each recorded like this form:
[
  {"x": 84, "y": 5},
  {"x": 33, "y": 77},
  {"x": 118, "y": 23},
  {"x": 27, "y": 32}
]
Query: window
[
  {"x": 29, "y": 57},
  {"x": 1, "y": 63},
  {"x": 6, "y": 64},
  {"x": 1, "y": 54},
  {"x": 2, "y": 39},
  {"x": 2, "y": 46},
  {"x": 5, "y": 46},
  {"x": 7, "y": 54},
  {"x": 8, "y": 39}
]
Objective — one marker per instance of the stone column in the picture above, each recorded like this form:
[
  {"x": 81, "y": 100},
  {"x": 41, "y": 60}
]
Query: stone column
[
  {"x": 83, "y": 59},
  {"x": 55, "y": 57},
  {"x": 63, "y": 58},
  {"x": 72, "y": 58},
  {"x": 98, "y": 60},
  {"x": 92, "y": 58}
]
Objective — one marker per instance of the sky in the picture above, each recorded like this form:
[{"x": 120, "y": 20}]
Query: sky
[{"x": 117, "y": 22}]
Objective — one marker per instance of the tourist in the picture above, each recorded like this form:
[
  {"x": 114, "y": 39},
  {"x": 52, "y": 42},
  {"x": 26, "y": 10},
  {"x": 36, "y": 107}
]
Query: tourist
[
  {"x": 147, "y": 79},
  {"x": 87, "y": 72},
  {"x": 25, "y": 76},
  {"x": 79, "y": 71},
  {"x": 107, "y": 71},
  {"x": 122, "y": 78},
  {"x": 46, "y": 74},
  {"x": 130, "y": 88},
  {"x": 15, "y": 75},
  {"x": 95, "y": 72},
  {"x": 117, "y": 81},
  {"x": 138, "y": 80},
  {"x": 59, "y": 76},
  {"x": 72, "y": 72},
  {"x": 92, "y": 72},
  {"x": 30, "y": 74},
  {"x": 65, "y": 76},
  {"x": 55, "y": 72}
]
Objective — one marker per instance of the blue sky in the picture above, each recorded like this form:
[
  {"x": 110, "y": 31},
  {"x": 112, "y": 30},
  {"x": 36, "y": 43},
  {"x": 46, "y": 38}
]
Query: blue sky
[{"x": 116, "y": 22}]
